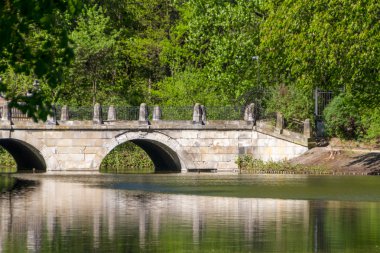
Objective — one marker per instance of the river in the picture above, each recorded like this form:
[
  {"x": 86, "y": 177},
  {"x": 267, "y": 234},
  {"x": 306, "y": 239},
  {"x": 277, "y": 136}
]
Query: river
[{"x": 189, "y": 213}]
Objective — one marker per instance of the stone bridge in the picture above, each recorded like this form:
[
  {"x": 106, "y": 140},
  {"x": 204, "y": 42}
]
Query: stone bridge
[{"x": 199, "y": 144}]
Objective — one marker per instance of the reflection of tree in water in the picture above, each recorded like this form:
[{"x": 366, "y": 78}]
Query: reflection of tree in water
[
  {"x": 13, "y": 185},
  {"x": 73, "y": 216},
  {"x": 6, "y": 183},
  {"x": 76, "y": 217}
]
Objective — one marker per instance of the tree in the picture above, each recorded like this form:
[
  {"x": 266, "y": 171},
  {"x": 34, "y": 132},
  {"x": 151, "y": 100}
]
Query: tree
[
  {"x": 35, "y": 44},
  {"x": 330, "y": 44},
  {"x": 94, "y": 43},
  {"x": 216, "y": 41}
]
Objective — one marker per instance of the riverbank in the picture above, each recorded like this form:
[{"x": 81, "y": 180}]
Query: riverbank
[
  {"x": 342, "y": 160},
  {"x": 336, "y": 157}
]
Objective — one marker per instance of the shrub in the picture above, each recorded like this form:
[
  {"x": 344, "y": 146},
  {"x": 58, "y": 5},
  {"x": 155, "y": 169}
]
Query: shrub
[
  {"x": 342, "y": 118},
  {"x": 371, "y": 122},
  {"x": 291, "y": 101},
  {"x": 7, "y": 163},
  {"x": 248, "y": 164}
]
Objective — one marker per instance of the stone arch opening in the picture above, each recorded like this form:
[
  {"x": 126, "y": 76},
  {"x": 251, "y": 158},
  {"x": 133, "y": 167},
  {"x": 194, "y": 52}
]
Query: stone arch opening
[
  {"x": 27, "y": 157},
  {"x": 163, "y": 157},
  {"x": 165, "y": 152}
]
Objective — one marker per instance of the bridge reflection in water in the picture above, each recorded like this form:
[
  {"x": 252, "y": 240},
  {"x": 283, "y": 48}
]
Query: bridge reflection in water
[
  {"x": 36, "y": 217},
  {"x": 68, "y": 215}
]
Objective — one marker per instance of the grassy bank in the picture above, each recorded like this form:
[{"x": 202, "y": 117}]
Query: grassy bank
[{"x": 248, "y": 165}]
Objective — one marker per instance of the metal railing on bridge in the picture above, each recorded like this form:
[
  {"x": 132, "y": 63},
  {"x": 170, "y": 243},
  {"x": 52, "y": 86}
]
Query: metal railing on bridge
[{"x": 167, "y": 112}]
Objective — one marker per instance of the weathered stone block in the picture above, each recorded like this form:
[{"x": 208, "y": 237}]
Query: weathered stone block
[
  {"x": 227, "y": 166},
  {"x": 263, "y": 142},
  {"x": 219, "y": 150},
  {"x": 224, "y": 142},
  {"x": 246, "y": 143},
  {"x": 245, "y": 135},
  {"x": 189, "y": 134},
  {"x": 190, "y": 143},
  {"x": 219, "y": 157},
  {"x": 92, "y": 150},
  {"x": 89, "y": 157},
  {"x": 68, "y": 150},
  {"x": 70, "y": 157},
  {"x": 205, "y": 165},
  {"x": 59, "y": 142}
]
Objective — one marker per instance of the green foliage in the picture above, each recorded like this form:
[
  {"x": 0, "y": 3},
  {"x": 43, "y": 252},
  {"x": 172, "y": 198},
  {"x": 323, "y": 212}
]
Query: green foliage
[
  {"x": 189, "y": 87},
  {"x": 346, "y": 118},
  {"x": 371, "y": 122},
  {"x": 35, "y": 44},
  {"x": 342, "y": 117},
  {"x": 247, "y": 164},
  {"x": 7, "y": 163},
  {"x": 127, "y": 158},
  {"x": 94, "y": 48},
  {"x": 211, "y": 53},
  {"x": 291, "y": 101},
  {"x": 328, "y": 44}
]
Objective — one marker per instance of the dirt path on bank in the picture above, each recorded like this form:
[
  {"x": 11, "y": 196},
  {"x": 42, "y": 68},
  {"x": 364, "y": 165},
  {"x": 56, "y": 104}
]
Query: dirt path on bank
[{"x": 342, "y": 160}]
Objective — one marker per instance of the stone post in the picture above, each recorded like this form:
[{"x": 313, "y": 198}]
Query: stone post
[
  {"x": 143, "y": 113},
  {"x": 197, "y": 114},
  {"x": 6, "y": 114},
  {"x": 249, "y": 113},
  {"x": 204, "y": 114},
  {"x": 97, "y": 117},
  {"x": 64, "y": 113},
  {"x": 280, "y": 123},
  {"x": 52, "y": 118},
  {"x": 111, "y": 116},
  {"x": 157, "y": 113},
  {"x": 307, "y": 128}
]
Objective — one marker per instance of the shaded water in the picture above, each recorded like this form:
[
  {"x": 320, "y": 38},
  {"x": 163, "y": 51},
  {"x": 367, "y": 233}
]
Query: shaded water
[{"x": 189, "y": 213}]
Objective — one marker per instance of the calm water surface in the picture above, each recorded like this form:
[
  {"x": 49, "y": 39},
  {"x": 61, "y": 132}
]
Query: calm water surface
[{"x": 189, "y": 213}]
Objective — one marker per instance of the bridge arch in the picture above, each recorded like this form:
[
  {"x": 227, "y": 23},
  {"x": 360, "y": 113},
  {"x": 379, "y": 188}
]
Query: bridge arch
[
  {"x": 26, "y": 156},
  {"x": 165, "y": 152}
]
